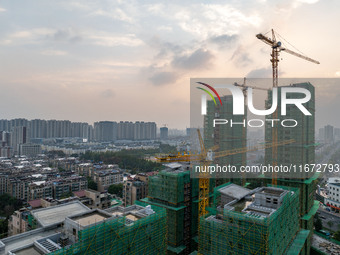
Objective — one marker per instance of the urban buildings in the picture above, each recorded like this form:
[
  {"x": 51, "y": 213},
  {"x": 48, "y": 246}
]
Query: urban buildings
[
  {"x": 136, "y": 188},
  {"x": 333, "y": 193},
  {"x": 105, "y": 131},
  {"x": 329, "y": 134},
  {"x": 124, "y": 130},
  {"x": 100, "y": 131},
  {"x": 20, "y": 135},
  {"x": 31, "y": 179},
  {"x": 29, "y": 149},
  {"x": 105, "y": 178}
]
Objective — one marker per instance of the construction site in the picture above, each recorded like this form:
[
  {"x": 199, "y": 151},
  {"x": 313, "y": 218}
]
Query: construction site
[{"x": 202, "y": 214}]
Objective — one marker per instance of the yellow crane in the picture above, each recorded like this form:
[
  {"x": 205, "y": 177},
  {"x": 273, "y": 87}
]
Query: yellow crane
[{"x": 276, "y": 49}]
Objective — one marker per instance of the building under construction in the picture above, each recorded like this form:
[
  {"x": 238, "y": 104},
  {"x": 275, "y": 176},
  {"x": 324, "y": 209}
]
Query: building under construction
[
  {"x": 301, "y": 152},
  {"x": 260, "y": 221},
  {"x": 174, "y": 190},
  {"x": 132, "y": 230},
  {"x": 75, "y": 229},
  {"x": 225, "y": 137}
]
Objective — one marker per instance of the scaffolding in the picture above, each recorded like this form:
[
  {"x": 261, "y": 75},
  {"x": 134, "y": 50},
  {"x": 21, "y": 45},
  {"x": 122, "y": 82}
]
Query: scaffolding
[
  {"x": 119, "y": 236},
  {"x": 168, "y": 186},
  {"x": 174, "y": 190},
  {"x": 231, "y": 232}
]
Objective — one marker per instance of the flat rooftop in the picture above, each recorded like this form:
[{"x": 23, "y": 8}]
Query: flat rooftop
[
  {"x": 90, "y": 218},
  {"x": 132, "y": 217},
  {"x": 27, "y": 238},
  {"x": 28, "y": 251},
  {"x": 57, "y": 214},
  {"x": 272, "y": 191},
  {"x": 234, "y": 191},
  {"x": 260, "y": 202}
]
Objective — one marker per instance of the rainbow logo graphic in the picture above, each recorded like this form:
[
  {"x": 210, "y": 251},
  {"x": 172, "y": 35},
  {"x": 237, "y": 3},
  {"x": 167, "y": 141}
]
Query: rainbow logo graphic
[{"x": 208, "y": 92}]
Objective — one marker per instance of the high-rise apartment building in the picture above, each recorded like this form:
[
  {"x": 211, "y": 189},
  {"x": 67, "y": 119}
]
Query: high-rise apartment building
[
  {"x": 164, "y": 133},
  {"x": 105, "y": 131},
  {"x": 228, "y": 136},
  {"x": 301, "y": 152},
  {"x": 329, "y": 134},
  {"x": 20, "y": 135}
]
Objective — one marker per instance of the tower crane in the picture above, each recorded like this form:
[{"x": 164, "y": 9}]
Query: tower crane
[
  {"x": 276, "y": 49},
  {"x": 245, "y": 87}
]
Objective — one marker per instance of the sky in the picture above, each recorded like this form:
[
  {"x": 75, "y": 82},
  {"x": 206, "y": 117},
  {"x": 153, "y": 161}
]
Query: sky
[{"x": 85, "y": 60}]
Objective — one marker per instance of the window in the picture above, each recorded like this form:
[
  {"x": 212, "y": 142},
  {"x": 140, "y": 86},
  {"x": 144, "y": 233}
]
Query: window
[{"x": 74, "y": 231}]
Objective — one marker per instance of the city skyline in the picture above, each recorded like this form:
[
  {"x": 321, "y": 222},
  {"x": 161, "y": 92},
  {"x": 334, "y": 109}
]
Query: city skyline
[{"x": 87, "y": 61}]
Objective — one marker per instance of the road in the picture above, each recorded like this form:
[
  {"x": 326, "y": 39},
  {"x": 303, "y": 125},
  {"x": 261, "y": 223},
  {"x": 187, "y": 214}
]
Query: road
[{"x": 326, "y": 217}]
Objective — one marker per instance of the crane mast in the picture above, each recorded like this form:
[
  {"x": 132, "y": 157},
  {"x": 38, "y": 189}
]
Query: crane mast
[{"x": 276, "y": 49}]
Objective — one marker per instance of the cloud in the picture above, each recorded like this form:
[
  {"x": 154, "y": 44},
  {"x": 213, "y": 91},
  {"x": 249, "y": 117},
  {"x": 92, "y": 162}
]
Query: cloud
[
  {"x": 241, "y": 57},
  {"x": 114, "y": 13},
  {"x": 108, "y": 93},
  {"x": 223, "y": 40},
  {"x": 165, "y": 28},
  {"x": 2, "y": 9},
  {"x": 163, "y": 78},
  {"x": 298, "y": 3},
  {"x": 307, "y": 1},
  {"x": 54, "y": 53},
  {"x": 109, "y": 40},
  {"x": 199, "y": 59},
  {"x": 68, "y": 34},
  {"x": 35, "y": 33},
  {"x": 260, "y": 73},
  {"x": 206, "y": 20}
]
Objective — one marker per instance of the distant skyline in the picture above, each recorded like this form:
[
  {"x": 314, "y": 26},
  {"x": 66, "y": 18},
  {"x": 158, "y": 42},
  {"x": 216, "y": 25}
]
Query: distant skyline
[{"x": 133, "y": 60}]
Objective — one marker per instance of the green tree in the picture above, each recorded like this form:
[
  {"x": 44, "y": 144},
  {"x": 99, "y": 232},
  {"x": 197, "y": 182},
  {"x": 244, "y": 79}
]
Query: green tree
[
  {"x": 56, "y": 153},
  {"x": 8, "y": 205},
  {"x": 116, "y": 189},
  {"x": 66, "y": 195},
  {"x": 91, "y": 184},
  {"x": 330, "y": 224},
  {"x": 318, "y": 224},
  {"x": 133, "y": 160},
  {"x": 336, "y": 235}
]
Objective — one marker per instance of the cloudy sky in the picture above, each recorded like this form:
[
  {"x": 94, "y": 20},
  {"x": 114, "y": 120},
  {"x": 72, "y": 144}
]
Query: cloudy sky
[{"x": 132, "y": 60}]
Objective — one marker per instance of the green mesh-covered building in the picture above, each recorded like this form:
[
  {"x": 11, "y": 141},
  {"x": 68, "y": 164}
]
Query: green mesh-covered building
[
  {"x": 174, "y": 190},
  {"x": 132, "y": 230},
  {"x": 260, "y": 221}
]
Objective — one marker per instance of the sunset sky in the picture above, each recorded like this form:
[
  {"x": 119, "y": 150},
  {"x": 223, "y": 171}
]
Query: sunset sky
[{"x": 132, "y": 60}]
